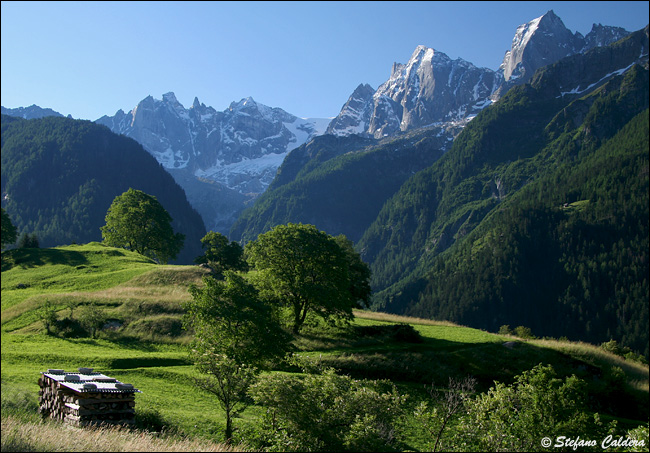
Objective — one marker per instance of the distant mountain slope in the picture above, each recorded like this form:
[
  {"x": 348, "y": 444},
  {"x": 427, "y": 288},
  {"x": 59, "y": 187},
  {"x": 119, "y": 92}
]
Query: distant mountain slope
[
  {"x": 339, "y": 184},
  {"x": 59, "y": 177},
  {"x": 28, "y": 113},
  {"x": 558, "y": 121}
]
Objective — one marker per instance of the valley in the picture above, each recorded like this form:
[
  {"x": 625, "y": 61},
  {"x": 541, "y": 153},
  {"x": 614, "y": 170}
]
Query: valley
[{"x": 457, "y": 261}]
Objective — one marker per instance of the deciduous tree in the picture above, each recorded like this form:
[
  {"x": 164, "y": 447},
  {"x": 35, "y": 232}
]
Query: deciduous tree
[
  {"x": 236, "y": 335},
  {"x": 137, "y": 221},
  {"x": 306, "y": 270}
]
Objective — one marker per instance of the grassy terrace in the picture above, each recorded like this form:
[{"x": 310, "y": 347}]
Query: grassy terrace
[{"x": 149, "y": 350}]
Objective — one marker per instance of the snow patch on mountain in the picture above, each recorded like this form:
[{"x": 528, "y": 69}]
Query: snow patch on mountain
[
  {"x": 240, "y": 148},
  {"x": 247, "y": 140},
  {"x": 578, "y": 90}
]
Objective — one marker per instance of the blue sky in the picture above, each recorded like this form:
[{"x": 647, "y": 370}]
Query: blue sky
[{"x": 90, "y": 59}]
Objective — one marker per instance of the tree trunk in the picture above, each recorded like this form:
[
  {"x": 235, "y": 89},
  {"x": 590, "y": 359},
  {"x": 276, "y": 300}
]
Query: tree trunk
[{"x": 228, "y": 427}]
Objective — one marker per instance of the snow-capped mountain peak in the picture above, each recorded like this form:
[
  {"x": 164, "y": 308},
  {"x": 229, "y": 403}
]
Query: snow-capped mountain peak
[
  {"x": 430, "y": 88},
  {"x": 545, "y": 40},
  {"x": 202, "y": 138},
  {"x": 433, "y": 89}
]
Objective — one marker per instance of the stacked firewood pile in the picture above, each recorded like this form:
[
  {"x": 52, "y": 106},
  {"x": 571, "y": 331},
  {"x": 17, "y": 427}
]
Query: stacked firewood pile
[{"x": 85, "y": 398}]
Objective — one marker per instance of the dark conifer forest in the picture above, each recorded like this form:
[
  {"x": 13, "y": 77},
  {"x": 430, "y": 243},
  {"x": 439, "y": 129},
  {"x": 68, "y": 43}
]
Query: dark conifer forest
[{"x": 59, "y": 177}]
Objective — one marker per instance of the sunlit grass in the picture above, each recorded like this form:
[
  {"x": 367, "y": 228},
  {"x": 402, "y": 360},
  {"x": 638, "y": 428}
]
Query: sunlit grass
[
  {"x": 119, "y": 281},
  {"x": 637, "y": 374},
  {"x": 77, "y": 268},
  {"x": 388, "y": 317},
  {"x": 147, "y": 300}
]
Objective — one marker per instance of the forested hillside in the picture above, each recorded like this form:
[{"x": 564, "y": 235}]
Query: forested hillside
[
  {"x": 59, "y": 177},
  {"x": 545, "y": 202},
  {"x": 339, "y": 184}
]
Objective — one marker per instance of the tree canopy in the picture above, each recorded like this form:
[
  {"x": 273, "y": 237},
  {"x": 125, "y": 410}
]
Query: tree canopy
[
  {"x": 8, "y": 229},
  {"x": 306, "y": 270},
  {"x": 236, "y": 335},
  {"x": 229, "y": 317},
  {"x": 137, "y": 221}
]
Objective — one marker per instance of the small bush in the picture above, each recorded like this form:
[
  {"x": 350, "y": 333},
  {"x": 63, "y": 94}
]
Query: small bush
[
  {"x": 634, "y": 357},
  {"x": 505, "y": 330},
  {"x": 406, "y": 333},
  {"x": 92, "y": 318},
  {"x": 524, "y": 333},
  {"x": 47, "y": 314},
  {"x": 613, "y": 347},
  {"x": 28, "y": 241},
  {"x": 69, "y": 328},
  {"x": 161, "y": 325},
  {"x": 327, "y": 412},
  {"x": 623, "y": 351}
]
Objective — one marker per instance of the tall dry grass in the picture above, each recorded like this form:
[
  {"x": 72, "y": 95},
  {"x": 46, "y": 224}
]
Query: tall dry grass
[
  {"x": 18, "y": 435},
  {"x": 638, "y": 375},
  {"x": 388, "y": 317}
]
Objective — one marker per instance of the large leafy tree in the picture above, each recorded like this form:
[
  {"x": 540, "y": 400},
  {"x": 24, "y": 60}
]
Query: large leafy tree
[
  {"x": 8, "y": 229},
  {"x": 306, "y": 270},
  {"x": 138, "y": 222},
  {"x": 236, "y": 336}
]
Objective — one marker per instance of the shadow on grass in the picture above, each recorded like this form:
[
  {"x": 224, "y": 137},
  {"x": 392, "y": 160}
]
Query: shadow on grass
[
  {"x": 131, "y": 344},
  {"x": 436, "y": 361},
  {"x": 146, "y": 362},
  {"x": 33, "y": 257}
]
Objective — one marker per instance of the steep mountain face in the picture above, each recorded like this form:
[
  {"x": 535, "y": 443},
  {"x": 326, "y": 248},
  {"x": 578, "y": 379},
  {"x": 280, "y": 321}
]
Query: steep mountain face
[
  {"x": 431, "y": 88},
  {"x": 354, "y": 117},
  {"x": 540, "y": 42},
  {"x": 545, "y": 40},
  {"x": 59, "y": 177},
  {"x": 28, "y": 113},
  {"x": 239, "y": 149}
]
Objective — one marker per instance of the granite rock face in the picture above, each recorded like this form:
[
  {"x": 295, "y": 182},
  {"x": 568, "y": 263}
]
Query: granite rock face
[{"x": 431, "y": 89}]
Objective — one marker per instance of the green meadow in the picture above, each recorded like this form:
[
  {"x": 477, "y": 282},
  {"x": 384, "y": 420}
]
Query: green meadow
[{"x": 144, "y": 344}]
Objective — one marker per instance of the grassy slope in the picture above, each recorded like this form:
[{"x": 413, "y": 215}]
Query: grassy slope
[{"x": 145, "y": 299}]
